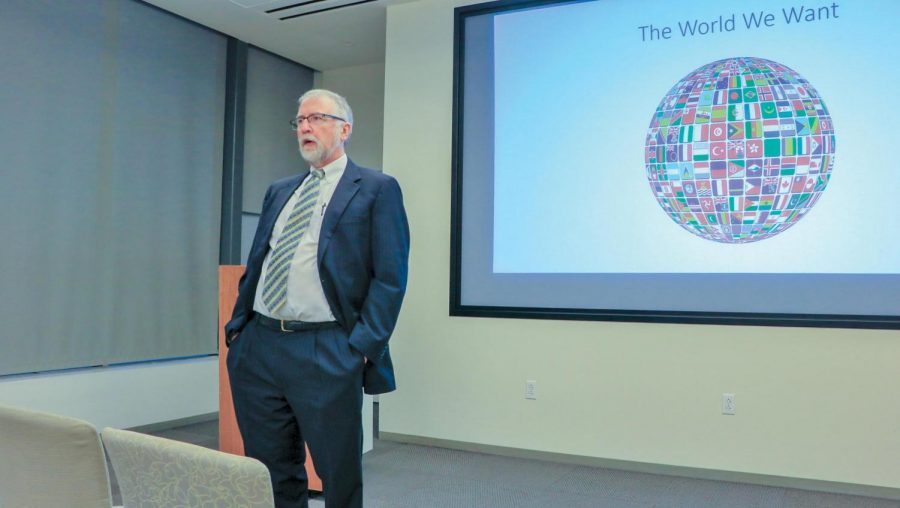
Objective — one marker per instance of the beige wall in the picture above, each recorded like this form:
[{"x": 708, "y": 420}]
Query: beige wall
[
  {"x": 363, "y": 86},
  {"x": 821, "y": 404}
]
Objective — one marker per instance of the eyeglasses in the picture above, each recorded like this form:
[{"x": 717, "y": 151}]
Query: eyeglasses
[{"x": 315, "y": 119}]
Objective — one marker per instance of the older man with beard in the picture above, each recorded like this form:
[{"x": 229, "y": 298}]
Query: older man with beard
[{"x": 316, "y": 306}]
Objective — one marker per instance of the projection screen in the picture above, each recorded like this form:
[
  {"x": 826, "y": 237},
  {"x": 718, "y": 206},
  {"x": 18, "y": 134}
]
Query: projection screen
[{"x": 706, "y": 162}]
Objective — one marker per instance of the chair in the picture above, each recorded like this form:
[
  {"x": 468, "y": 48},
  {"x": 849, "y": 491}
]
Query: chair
[
  {"x": 154, "y": 472},
  {"x": 50, "y": 461}
]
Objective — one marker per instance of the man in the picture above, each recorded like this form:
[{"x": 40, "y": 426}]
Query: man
[{"x": 316, "y": 306}]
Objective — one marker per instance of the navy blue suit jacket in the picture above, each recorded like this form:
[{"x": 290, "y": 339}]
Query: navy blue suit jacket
[{"x": 363, "y": 253}]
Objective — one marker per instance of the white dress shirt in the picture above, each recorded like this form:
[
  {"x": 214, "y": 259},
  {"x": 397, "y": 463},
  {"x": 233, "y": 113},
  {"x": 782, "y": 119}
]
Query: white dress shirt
[{"x": 305, "y": 298}]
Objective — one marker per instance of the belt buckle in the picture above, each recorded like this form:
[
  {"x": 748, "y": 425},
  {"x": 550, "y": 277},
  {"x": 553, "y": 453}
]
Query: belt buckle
[{"x": 281, "y": 322}]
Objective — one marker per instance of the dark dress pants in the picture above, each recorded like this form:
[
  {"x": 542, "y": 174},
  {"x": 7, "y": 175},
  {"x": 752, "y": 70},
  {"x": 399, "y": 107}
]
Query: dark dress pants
[{"x": 291, "y": 388}]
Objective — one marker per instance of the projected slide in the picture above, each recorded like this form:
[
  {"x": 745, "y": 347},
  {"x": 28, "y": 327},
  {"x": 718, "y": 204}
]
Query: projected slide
[{"x": 660, "y": 156}]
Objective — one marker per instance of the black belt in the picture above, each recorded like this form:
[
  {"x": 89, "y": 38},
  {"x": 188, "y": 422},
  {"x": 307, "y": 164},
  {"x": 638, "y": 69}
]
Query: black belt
[{"x": 293, "y": 326}]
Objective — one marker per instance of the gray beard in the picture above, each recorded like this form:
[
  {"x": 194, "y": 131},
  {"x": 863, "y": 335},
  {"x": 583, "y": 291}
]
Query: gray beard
[
  {"x": 317, "y": 155},
  {"x": 313, "y": 156}
]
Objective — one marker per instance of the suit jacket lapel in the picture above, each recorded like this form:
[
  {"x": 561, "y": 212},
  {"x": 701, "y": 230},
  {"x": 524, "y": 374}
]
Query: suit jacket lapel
[{"x": 346, "y": 188}]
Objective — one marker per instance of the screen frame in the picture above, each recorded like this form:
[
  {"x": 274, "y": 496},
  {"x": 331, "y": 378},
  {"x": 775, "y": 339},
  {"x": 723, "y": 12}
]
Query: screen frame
[{"x": 457, "y": 308}]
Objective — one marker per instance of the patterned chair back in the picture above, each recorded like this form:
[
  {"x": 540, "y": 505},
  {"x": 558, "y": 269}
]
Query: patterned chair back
[{"x": 154, "y": 472}]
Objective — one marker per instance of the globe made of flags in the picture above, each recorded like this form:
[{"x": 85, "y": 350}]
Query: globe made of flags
[{"x": 739, "y": 150}]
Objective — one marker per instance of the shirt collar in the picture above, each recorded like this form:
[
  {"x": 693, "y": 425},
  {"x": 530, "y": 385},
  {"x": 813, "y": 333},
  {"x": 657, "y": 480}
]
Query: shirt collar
[{"x": 334, "y": 169}]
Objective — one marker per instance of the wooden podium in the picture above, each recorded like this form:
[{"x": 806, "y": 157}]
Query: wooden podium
[{"x": 229, "y": 437}]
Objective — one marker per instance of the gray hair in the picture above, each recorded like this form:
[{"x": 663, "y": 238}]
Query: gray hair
[{"x": 343, "y": 107}]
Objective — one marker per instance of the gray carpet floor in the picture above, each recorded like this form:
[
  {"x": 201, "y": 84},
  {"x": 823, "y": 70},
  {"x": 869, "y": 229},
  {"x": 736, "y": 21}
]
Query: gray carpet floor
[{"x": 411, "y": 476}]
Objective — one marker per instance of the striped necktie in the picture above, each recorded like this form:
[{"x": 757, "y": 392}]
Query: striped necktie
[{"x": 275, "y": 289}]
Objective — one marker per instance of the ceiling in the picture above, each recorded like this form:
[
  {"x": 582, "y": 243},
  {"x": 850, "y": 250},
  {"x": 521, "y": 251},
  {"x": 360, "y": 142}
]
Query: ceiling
[{"x": 345, "y": 33}]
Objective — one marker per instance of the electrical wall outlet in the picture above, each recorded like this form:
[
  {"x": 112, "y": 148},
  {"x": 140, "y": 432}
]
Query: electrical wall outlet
[
  {"x": 728, "y": 407},
  {"x": 531, "y": 390}
]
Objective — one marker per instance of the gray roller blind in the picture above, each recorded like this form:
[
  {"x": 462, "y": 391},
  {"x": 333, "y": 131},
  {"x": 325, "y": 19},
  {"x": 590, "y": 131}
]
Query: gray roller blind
[{"x": 110, "y": 153}]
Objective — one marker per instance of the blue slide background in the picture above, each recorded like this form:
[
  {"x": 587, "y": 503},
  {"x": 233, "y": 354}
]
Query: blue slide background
[{"x": 575, "y": 88}]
